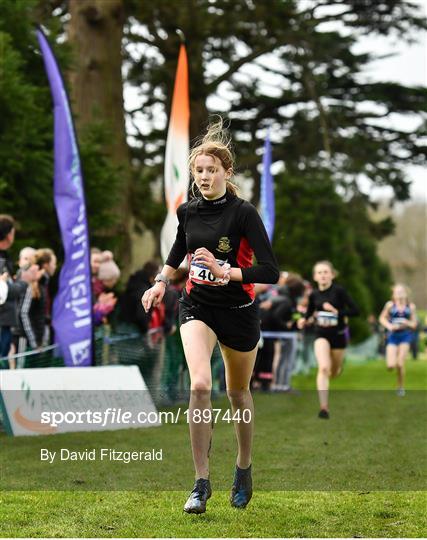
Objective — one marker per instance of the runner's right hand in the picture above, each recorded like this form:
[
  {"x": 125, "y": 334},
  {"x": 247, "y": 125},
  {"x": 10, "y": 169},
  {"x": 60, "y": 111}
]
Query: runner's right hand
[
  {"x": 301, "y": 323},
  {"x": 153, "y": 296}
]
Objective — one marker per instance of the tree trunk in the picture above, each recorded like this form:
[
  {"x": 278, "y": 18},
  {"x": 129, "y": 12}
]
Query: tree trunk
[{"x": 95, "y": 32}]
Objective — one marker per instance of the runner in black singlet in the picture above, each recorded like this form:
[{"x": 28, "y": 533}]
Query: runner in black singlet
[
  {"x": 219, "y": 233},
  {"x": 330, "y": 304}
]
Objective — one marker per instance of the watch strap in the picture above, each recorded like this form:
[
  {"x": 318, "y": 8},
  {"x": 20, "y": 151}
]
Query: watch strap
[{"x": 161, "y": 277}]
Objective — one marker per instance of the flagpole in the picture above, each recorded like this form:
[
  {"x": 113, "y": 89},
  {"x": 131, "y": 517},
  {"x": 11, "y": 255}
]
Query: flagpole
[
  {"x": 181, "y": 35},
  {"x": 177, "y": 176}
]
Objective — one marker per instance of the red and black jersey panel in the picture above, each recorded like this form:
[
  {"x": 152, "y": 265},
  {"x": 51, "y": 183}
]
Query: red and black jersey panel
[{"x": 233, "y": 231}]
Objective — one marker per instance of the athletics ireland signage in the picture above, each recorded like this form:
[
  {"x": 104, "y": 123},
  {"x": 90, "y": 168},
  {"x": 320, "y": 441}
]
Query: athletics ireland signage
[
  {"x": 45, "y": 401},
  {"x": 72, "y": 307}
]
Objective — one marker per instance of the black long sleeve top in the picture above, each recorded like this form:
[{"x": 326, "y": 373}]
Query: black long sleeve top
[
  {"x": 232, "y": 230},
  {"x": 338, "y": 297}
]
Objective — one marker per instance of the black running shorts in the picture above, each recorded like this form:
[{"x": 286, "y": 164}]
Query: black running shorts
[
  {"x": 237, "y": 328},
  {"x": 336, "y": 338}
]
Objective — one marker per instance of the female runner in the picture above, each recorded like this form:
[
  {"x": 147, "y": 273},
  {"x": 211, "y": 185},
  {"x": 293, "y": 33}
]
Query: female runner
[
  {"x": 219, "y": 232},
  {"x": 330, "y": 304},
  {"x": 399, "y": 318}
]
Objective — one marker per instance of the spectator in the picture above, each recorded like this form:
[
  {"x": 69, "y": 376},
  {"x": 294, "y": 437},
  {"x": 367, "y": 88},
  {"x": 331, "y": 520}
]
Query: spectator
[
  {"x": 276, "y": 316},
  {"x": 131, "y": 311},
  {"x": 3, "y": 288},
  {"x": 15, "y": 287},
  {"x": 284, "y": 310},
  {"x": 106, "y": 300},
  {"x": 26, "y": 257},
  {"x": 105, "y": 272},
  {"x": 41, "y": 305},
  {"x": 415, "y": 343},
  {"x": 95, "y": 260},
  {"x": 23, "y": 334},
  {"x": 306, "y": 351},
  {"x": 108, "y": 273},
  {"x": 174, "y": 352}
]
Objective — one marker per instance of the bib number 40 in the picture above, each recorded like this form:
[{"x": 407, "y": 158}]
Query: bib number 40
[
  {"x": 206, "y": 275},
  {"x": 201, "y": 274}
]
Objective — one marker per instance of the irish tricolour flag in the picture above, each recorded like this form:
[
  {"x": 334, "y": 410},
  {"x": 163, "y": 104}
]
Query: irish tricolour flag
[{"x": 177, "y": 175}]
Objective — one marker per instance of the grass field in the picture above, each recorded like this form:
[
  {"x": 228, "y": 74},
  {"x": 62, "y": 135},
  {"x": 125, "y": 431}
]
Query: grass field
[{"x": 360, "y": 474}]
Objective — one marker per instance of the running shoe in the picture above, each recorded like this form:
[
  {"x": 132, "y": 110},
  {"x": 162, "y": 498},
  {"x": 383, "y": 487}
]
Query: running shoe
[
  {"x": 196, "y": 502},
  {"x": 241, "y": 492},
  {"x": 400, "y": 392},
  {"x": 323, "y": 413}
]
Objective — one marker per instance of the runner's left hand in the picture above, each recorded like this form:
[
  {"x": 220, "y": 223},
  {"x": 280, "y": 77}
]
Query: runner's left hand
[{"x": 205, "y": 257}]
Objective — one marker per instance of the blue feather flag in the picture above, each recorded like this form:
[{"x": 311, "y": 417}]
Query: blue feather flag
[{"x": 267, "y": 190}]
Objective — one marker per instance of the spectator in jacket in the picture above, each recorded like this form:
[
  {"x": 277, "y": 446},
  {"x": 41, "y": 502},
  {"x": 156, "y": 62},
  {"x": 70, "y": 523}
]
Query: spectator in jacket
[
  {"x": 23, "y": 336},
  {"x": 40, "y": 311},
  {"x": 3, "y": 288},
  {"x": 276, "y": 316},
  {"x": 15, "y": 288},
  {"x": 174, "y": 352},
  {"x": 284, "y": 311}
]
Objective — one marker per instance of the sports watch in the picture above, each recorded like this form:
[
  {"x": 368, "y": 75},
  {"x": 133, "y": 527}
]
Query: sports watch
[{"x": 161, "y": 277}]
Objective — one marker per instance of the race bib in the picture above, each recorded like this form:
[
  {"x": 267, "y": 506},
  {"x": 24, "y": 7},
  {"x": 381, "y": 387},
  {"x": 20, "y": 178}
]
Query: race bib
[
  {"x": 202, "y": 275},
  {"x": 326, "y": 319},
  {"x": 400, "y": 321}
]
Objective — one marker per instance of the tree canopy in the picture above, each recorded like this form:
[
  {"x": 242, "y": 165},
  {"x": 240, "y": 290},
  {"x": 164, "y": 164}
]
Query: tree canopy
[{"x": 285, "y": 65}]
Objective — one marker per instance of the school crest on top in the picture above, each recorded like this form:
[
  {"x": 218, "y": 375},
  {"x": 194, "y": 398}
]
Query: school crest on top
[{"x": 224, "y": 245}]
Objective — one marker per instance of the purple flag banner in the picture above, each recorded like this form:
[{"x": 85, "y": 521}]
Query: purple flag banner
[
  {"x": 267, "y": 191},
  {"x": 72, "y": 306}
]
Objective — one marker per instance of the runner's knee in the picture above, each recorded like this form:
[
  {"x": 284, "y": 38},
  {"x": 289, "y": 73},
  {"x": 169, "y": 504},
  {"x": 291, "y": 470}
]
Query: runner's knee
[
  {"x": 237, "y": 398},
  {"x": 325, "y": 370},
  {"x": 201, "y": 385}
]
